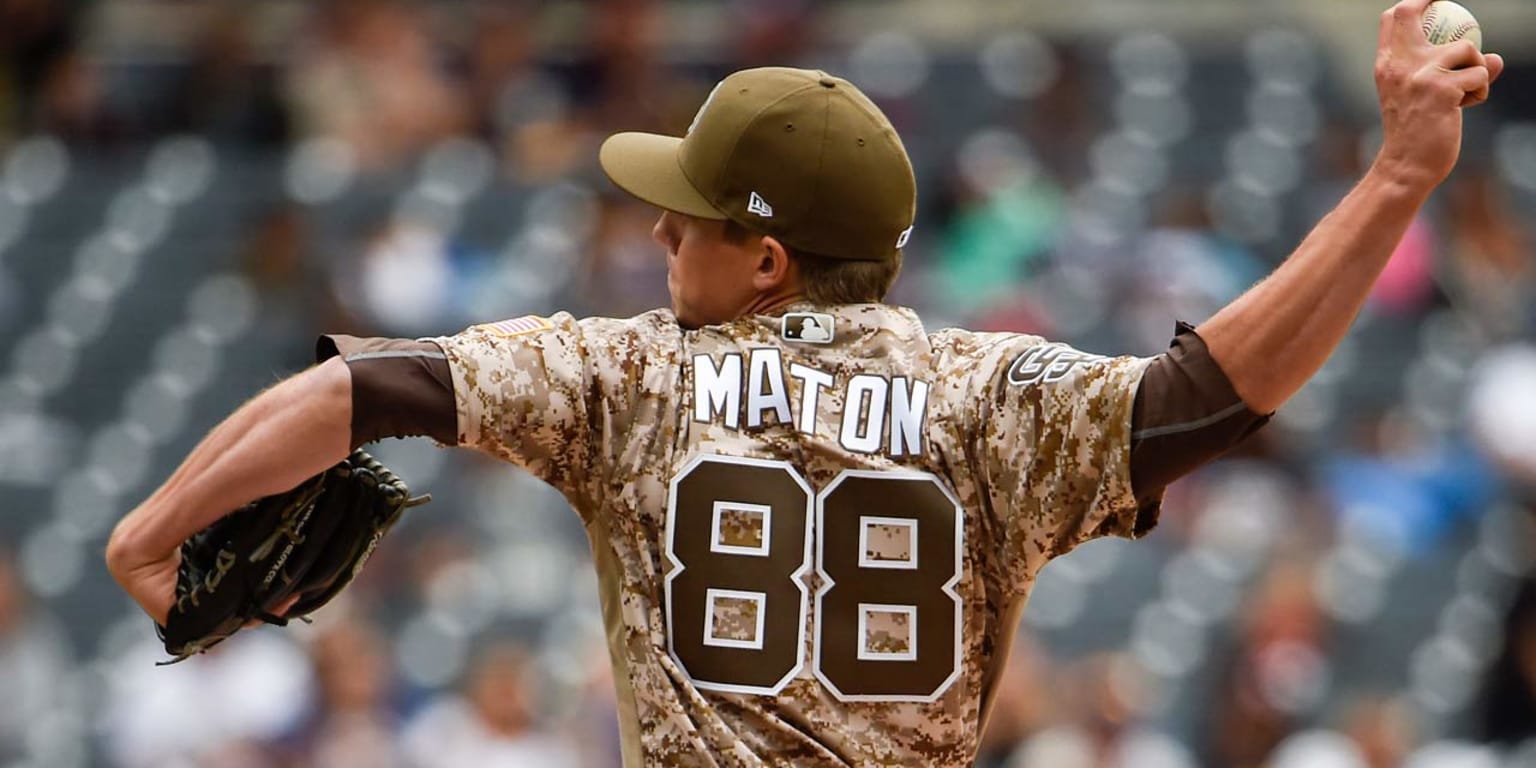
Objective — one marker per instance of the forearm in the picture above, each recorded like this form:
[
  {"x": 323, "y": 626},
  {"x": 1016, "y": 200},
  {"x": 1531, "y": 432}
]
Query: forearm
[
  {"x": 1273, "y": 338},
  {"x": 271, "y": 444}
]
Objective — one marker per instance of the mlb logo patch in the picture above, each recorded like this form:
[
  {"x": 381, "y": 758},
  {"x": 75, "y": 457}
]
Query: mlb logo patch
[
  {"x": 813, "y": 327},
  {"x": 517, "y": 326}
]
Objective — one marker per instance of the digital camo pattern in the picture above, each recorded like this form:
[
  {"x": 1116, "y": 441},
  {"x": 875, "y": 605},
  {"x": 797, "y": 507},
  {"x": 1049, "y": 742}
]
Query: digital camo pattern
[
  {"x": 734, "y": 619},
  {"x": 1032, "y": 439},
  {"x": 890, "y": 632},
  {"x": 886, "y": 542},
  {"x": 741, "y": 528}
]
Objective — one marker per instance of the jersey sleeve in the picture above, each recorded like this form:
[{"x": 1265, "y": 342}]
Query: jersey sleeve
[
  {"x": 550, "y": 395},
  {"x": 1055, "y": 430}
]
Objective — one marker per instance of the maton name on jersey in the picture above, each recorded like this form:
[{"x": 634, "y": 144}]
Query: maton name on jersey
[{"x": 878, "y": 412}]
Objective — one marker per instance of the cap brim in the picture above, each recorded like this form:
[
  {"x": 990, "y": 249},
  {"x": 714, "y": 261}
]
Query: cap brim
[{"x": 646, "y": 165}]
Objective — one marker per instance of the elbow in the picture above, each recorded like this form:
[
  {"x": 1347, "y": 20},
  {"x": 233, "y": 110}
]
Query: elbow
[
  {"x": 1264, "y": 397},
  {"x": 335, "y": 384},
  {"x": 335, "y": 396}
]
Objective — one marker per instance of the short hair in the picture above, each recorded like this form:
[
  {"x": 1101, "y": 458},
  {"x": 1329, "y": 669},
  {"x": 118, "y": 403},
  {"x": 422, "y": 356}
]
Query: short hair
[{"x": 830, "y": 280}]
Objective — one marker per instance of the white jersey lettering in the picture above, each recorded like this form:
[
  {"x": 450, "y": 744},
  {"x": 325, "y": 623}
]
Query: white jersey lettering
[
  {"x": 864, "y": 389},
  {"x": 812, "y": 382},
  {"x": 766, "y": 368},
  {"x": 717, "y": 390},
  {"x": 909, "y": 406}
]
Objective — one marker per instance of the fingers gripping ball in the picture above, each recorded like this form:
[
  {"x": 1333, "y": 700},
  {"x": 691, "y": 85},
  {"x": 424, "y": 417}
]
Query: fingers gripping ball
[
  {"x": 1447, "y": 22},
  {"x": 302, "y": 546}
]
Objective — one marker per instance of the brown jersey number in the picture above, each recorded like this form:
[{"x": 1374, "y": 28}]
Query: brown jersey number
[{"x": 887, "y": 551}]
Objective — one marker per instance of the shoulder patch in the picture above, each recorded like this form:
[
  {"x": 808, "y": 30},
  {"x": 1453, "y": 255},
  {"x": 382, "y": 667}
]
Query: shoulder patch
[
  {"x": 517, "y": 326},
  {"x": 1048, "y": 363}
]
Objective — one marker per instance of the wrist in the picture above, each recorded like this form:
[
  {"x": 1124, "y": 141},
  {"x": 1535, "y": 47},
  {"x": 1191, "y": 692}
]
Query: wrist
[
  {"x": 1400, "y": 179},
  {"x": 128, "y": 548}
]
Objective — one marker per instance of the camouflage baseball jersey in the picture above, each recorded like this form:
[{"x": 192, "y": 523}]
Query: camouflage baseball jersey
[{"x": 815, "y": 530}]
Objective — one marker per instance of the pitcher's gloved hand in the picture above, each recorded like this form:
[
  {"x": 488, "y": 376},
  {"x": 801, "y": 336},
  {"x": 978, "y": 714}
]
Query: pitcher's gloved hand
[{"x": 284, "y": 555}]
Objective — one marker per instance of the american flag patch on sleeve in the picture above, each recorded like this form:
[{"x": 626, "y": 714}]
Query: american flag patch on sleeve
[{"x": 517, "y": 326}]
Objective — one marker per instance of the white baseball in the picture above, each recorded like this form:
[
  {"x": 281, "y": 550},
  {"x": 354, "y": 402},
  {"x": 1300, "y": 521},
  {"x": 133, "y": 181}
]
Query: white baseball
[{"x": 1447, "y": 22}]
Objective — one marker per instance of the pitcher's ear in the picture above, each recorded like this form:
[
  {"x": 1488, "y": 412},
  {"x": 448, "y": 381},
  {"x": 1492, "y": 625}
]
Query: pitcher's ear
[{"x": 774, "y": 265}]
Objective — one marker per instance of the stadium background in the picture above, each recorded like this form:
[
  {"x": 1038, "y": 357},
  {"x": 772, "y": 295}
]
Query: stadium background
[{"x": 190, "y": 191}]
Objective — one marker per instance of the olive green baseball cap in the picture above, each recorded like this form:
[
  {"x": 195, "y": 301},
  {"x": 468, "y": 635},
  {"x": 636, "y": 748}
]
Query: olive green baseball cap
[{"x": 793, "y": 153}]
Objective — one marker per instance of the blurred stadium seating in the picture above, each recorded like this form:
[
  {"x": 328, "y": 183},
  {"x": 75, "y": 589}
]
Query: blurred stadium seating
[{"x": 189, "y": 193}]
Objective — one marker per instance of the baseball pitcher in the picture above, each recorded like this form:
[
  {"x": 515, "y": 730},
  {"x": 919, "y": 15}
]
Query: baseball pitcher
[{"x": 816, "y": 521}]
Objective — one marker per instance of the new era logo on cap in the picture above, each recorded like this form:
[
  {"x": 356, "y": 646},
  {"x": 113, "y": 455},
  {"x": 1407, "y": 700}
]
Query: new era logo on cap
[{"x": 756, "y": 204}]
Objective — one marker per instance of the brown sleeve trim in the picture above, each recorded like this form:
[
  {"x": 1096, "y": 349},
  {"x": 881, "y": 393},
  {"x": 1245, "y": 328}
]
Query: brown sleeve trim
[
  {"x": 400, "y": 388},
  {"x": 1186, "y": 414}
]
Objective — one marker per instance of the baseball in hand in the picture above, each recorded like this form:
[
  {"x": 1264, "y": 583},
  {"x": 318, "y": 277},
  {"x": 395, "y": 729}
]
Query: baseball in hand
[{"x": 1447, "y": 22}]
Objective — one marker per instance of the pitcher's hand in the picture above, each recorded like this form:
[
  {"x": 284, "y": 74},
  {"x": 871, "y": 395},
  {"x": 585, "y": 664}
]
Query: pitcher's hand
[
  {"x": 1422, "y": 89},
  {"x": 151, "y": 582}
]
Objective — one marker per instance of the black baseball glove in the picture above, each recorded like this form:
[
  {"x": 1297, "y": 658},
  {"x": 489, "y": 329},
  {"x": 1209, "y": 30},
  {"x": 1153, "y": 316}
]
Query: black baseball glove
[{"x": 307, "y": 543}]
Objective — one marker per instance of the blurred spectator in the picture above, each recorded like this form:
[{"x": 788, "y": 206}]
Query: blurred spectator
[
  {"x": 1061, "y": 122},
  {"x": 522, "y": 108},
  {"x": 1488, "y": 269},
  {"x": 35, "y": 37},
  {"x": 72, "y": 104},
  {"x": 498, "y": 60},
  {"x": 1341, "y": 156},
  {"x": 620, "y": 80},
  {"x": 1501, "y": 413},
  {"x": 354, "y": 721},
  {"x": 1403, "y": 487},
  {"x": 1508, "y": 705},
  {"x": 1376, "y": 732},
  {"x": 369, "y": 75},
  {"x": 212, "y": 709},
  {"x": 409, "y": 277},
  {"x": 1318, "y": 749},
  {"x": 1406, "y": 285},
  {"x": 776, "y": 33},
  {"x": 223, "y": 92},
  {"x": 1457, "y": 754},
  {"x": 1008, "y": 216},
  {"x": 1105, "y": 728},
  {"x": 625, "y": 270},
  {"x": 48, "y": 82},
  {"x": 1274, "y": 677},
  {"x": 1183, "y": 268},
  {"x": 35, "y": 665},
  {"x": 492, "y": 722},
  {"x": 1382, "y": 728},
  {"x": 297, "y": 300}
]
